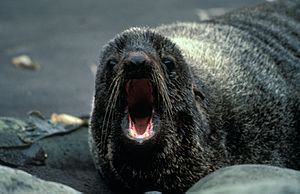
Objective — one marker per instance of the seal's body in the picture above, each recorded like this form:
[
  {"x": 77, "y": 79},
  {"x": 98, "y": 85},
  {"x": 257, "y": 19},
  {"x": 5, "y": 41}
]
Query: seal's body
[{"x": 175, "y": 103}]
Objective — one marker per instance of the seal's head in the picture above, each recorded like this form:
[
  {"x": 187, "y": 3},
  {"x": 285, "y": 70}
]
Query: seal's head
[
  {"x": 140, "y": 78},
  {"x": 143, "y": 121}
]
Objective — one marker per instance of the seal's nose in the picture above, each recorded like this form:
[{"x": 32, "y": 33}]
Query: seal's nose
[
  {"x": 137, "y": 65},
  {"x": 136, "y": 59}
]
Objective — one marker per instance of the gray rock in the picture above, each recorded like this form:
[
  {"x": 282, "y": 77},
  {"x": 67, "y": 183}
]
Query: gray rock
[
  {"x": 249, "y": 179},
  {"x": 17, "y": 181}
]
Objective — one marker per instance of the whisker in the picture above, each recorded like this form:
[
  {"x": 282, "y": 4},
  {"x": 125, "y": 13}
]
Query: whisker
[
  {"x": 163, "y": 91},
  {"x": 114, "y": 88},
  {"x": 115, "y": 95}
]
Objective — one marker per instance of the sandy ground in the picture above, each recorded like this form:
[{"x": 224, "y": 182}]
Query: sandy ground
[{"x": 65, "y": 38}]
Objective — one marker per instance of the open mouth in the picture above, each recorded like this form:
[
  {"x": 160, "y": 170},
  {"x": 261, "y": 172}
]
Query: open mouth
[{"x": 140, "y": 109}]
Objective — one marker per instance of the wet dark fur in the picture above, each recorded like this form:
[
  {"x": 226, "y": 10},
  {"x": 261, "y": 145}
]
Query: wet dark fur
[{"x": 234, "y": 99}]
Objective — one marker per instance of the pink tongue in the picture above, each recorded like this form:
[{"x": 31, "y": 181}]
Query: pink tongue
[{"x": 141, "y": 125}]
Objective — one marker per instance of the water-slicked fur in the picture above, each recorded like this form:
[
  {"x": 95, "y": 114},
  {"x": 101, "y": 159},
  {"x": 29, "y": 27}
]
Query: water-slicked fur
[{"x": 235, "y": 99}]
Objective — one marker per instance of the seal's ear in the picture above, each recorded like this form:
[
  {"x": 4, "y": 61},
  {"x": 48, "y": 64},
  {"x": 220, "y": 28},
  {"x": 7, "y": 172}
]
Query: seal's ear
[{"x": 198, "y": 93}]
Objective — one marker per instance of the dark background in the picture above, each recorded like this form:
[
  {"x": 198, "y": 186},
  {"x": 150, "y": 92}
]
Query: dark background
[{"x": 65, "y": 38}]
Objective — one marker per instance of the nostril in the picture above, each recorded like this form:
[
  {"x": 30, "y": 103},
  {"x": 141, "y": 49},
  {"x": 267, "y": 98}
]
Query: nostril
[
  {"x": 137, "y": 65},
  {"x": 137, "y": 60}
]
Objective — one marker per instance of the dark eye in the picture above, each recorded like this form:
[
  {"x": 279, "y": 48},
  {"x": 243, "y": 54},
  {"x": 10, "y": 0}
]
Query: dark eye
[
  {"x": 169, "y": 63},
  {"x": 111, "y": 63}
]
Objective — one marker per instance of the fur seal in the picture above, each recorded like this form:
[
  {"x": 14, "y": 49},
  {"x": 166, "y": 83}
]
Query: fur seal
[{"x": 174, "y": 103}]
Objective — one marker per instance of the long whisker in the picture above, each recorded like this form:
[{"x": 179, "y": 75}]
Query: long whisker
[
  {"x": 106, "y": 114},
  {"x": 115, "y": 96},
  {"x": 163, "y": 90},
  {"x": 114, "y": 88}
]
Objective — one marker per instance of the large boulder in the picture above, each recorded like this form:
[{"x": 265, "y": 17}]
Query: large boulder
[
  {"x": 17, "y": 181},
  {"x": 249, "y": 179}
]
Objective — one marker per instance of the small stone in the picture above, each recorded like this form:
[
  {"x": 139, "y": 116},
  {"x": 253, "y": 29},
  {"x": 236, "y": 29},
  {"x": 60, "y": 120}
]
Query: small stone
[{"x": 24, "y": 62}]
